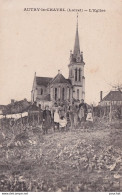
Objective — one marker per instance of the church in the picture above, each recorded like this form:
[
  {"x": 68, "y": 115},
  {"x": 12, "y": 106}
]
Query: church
[{"x": 61, "y": 90}]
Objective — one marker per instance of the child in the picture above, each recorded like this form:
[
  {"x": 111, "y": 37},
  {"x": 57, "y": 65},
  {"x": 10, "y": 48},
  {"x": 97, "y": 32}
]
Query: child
[
  {"x": 56, "y": 119},
  {"x": 89, "y": 118},
  {"x": 68, "y": 120},
  {"x": 62, "y": 123}
]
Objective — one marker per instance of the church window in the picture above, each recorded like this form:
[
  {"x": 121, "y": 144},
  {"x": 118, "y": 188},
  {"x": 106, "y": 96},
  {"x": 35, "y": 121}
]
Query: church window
[
  {"x": 79, "y": 74},
  {"x": 55, "y": 93},
  {"x": 41, "y": 91},
  {"x": 76, "y": 74},
  {"x": 78, "y": 94},
  {"x": 63, "y": 94},
  {"x": 69, "y": 94},
  {"x": 71, "y": 72},
  {"x": 51, "y": 93}
]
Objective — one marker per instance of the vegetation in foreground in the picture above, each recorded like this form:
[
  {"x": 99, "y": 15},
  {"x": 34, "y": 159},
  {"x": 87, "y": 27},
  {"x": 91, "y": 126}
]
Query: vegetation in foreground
[{"x": 78, "y": 160}]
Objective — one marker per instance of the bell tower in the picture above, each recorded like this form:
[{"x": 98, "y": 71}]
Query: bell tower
[{"x": 76, "y": 69}]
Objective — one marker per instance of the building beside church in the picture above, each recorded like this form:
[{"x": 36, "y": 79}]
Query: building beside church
[
  {"x": 46, "y": 90},
  {"x": 113, "y": 98}
]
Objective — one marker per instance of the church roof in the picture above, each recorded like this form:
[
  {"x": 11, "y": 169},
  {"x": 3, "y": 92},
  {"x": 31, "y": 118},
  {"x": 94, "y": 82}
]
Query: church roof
[
  {"x": 43, "y": 81},
  {"x": 69, "y": 81},
  {"x": 113, "y": 96},
  {"x": 59, "y": 78}
]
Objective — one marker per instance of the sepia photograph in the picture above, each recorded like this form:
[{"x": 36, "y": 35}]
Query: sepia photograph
[{"x": 60, "y": 96}]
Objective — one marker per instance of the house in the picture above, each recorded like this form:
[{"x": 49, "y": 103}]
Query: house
[
  {"x": 48, "y": 91},
  {"x": 112, "y": 98},
  {"x": 2, "y": 107}
]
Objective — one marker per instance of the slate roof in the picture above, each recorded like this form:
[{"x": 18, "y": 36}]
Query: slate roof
[
  {"x": 43, "y": 81},
  {"x": 59, "y": 78},
  {"x": 69, "y": 81},
  {"x": 113, "y": 96}
]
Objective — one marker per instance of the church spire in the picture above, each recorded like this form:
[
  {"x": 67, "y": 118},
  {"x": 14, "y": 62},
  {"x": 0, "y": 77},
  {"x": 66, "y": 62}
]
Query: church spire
[{"x": 76, "y": 45}]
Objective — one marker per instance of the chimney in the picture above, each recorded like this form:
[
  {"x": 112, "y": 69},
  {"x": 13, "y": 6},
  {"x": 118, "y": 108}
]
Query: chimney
[
  {"x": 12, "y": 101},
  {"x": 101, "y": 96},
  {"x": 58, "y": 71}
]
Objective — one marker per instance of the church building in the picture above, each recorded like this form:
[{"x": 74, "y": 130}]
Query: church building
[{"x": 48, "y": 91}]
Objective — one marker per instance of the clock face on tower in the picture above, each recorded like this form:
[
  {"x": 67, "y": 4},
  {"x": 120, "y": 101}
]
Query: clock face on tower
[{"x": 78, "y": 58}]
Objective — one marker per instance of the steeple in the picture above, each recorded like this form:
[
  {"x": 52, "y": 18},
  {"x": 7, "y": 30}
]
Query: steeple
[
  {"x": 76, "y": 56},
  {"x": 76, "y": 45}
]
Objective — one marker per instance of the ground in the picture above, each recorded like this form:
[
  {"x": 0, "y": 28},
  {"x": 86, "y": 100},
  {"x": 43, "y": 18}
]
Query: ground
[{"x": 79, "y": 160}]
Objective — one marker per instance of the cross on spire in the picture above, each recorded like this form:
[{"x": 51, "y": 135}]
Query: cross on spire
[{"x": 77, "y": 20}]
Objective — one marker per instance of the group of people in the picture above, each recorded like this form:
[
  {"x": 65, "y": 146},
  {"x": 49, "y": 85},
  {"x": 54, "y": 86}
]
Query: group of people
[{"x": 63, "y": 118}]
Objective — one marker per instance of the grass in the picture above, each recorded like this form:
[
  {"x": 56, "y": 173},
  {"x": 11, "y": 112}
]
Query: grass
[{"x": 77, "y": 160}]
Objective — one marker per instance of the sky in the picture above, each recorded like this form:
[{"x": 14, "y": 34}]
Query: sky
[{"x": 40, "y": 41}]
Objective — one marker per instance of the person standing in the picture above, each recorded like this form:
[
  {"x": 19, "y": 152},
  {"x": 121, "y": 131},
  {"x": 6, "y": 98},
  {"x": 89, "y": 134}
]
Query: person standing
[
  {"x": 46, "y": 120},
  {"x": 83, "y": 106},
  {"x": 56, "y": 119},
  {"x": 89, "y": 118},
  {"x": 68, "y": 120},
  {"x": 61, "y": 111},
  {"x": 81, "y": 114},
  {"x": 76, "y": 116},
  {"x": 62, "y": 123},
  {"x": 71, "y": 114},
  {"x": 40, "y": 116}
]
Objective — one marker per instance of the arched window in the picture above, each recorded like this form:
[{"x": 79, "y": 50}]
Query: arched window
[
  {"x": 69, "y": 93},
  {"x": 79, "y": 74},
  {"x": 76, "y": 74},
  {"x": 41, "y": 91},
  {"x": 55, "y": 93},
  {"x": 63, "y": 90},
  {"x": 51, "y": 93},
  {"x": 71, "y": 72},
  {"x": 77, "y": 94}
]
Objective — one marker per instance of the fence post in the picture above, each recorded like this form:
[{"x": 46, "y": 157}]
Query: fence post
[{"x": 110, "y": 113}]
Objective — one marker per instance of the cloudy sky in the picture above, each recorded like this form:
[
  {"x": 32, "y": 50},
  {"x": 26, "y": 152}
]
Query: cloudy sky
[{"x": 40, "y": 41}]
